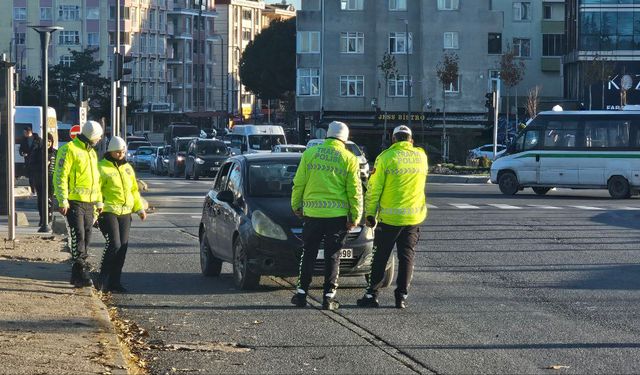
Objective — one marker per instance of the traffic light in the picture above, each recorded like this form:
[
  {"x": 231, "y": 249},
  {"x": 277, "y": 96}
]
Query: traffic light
[{"x": 120, "y": 60}]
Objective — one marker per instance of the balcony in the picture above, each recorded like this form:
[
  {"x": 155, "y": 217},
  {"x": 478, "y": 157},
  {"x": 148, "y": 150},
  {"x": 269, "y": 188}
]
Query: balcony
[
  {"x": 551, "y": 64},
  {"x": 552, "y": 27}
]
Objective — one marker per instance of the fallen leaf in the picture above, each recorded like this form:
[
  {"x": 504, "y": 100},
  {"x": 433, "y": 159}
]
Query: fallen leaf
[{"x": 557, "y": 367}]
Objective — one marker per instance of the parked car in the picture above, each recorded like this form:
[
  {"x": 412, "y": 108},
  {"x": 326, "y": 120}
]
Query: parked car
[
  {"x": 163, "y": 164},
  {"x": 156, "y": 161},
  {"x": 289, "y": 148},
  {"x": 247, "y": 221},
  {"x": 178, "y": 155},
  {"x": 362, "y": 159},
  {"x": 143, "y": 157},
  {"x": 204, "y": 158},
  {"x": 132, "y": 147},
  {"x": 486, "y": 151}
]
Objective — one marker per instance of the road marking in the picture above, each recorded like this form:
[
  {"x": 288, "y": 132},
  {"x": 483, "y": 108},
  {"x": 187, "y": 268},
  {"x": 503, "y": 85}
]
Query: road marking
[
  {"x": 431, "y": 206},
  {"x": 504, "y": 206},
  {"x": 589, "y": 208},
  {"x": 543, "y": 207},
  {"x": 627, "y": 208},
  {"x": 464, "y": 206}
]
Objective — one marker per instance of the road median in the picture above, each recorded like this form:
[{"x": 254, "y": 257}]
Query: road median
[{"x": 457, "y": 179}]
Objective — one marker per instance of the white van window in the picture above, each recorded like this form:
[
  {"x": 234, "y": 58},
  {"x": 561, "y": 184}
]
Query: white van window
[
  {"x": 607, "y": 133},
  {"x": 265, "y": 142},
  {"x": 560, "y": 134},
  {"x": 531, "y": 139}
]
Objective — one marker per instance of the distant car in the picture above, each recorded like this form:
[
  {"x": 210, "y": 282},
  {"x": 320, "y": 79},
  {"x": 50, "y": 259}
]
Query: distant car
[
  {"x": 289, "y": 148},
  {"x": 156, "y": 162},
  {"x": 178, "y": 156},
  {"x": 143, "y": 157},
  {"x": 204, "y": 158},
  {"x": 362, "y": 159},
  {"x": 486, "y": 151},
  {"x": 247, "y": 221},
  {"x": 132, "y": 147}
]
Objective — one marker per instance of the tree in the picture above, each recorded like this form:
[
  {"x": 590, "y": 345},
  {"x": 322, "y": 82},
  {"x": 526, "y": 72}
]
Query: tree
[
  {"x": 533, "y": 102},
  {"x": 511, "y": 73},
  {"x": 64, "y": 84},
  {"x": 268, "y": 63},
  {"x": 447, "y": 71},
  {"x": 389, "y": 69},
  {"x": 30, "y": 92},
  {"x": 597, "y": 70}
]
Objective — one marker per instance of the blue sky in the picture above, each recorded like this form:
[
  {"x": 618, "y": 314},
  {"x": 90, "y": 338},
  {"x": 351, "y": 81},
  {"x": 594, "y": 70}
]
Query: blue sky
[{"x": 295, "y": 3}]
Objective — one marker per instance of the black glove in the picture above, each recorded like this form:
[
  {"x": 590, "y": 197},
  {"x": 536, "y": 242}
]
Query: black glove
[{"x": 371, "y": 221}]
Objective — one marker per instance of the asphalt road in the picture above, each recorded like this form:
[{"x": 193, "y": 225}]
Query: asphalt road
[{"x": 502, "y": 285}]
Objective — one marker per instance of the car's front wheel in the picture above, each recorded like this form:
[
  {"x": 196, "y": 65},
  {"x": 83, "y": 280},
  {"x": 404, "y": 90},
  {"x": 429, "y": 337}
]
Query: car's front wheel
[
  {"x": 243, "y": 277},
  {"x": 619, "y": 188},
  {"x": 210, "y": 265},
  {"x": 508, "y": 183}
]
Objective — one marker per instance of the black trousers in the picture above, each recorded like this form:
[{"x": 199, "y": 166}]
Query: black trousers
[
  {"x": 116, "y": 232},
  {"x": 39, "y": 186},
  {"x": 386, "y": 237},
  {"x": 80, "y": 217},
  {"x": 333, "y": 232}
]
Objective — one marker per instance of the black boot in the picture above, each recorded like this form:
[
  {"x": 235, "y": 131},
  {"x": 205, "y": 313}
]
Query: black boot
[
  {"x": 366, "y": 301},
  {"x": 330, "y": 303},
  {"x": 401, "y": 300},
  {"x": 77, "y": 275},
  {"x": 299, "y": 299}
]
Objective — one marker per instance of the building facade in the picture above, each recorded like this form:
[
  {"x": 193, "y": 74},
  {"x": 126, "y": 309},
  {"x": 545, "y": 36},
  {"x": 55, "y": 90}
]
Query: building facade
[
  {"x": 341, "y": 45},
  {"x": 602, "y": 64}
]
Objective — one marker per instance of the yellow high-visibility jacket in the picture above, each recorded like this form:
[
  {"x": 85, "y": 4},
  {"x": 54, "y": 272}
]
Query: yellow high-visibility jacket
[
  {"x": 327, "y": 183},
  {"x": 119, "y": 188},
  {"x": 76, "y": 175},
  {"x": 396, "y": 190}
]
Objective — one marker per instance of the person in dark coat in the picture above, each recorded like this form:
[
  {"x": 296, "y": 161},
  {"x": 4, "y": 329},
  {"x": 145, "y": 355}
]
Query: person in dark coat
[{"x": 30, "y": 141}]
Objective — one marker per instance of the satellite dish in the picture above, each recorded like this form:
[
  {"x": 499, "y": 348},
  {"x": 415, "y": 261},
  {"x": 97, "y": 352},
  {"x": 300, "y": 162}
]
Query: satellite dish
[
  {"x": 321, "y": 133},
  {"x": 627, "y": 82}
]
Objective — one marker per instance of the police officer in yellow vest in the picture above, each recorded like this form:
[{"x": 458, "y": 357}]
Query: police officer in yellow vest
[
  {"x": 77, "y": 191},
  {"x": 120, "y": 197},
  {"x": 327, "y": 192},
  {"x": 396, "y": 202}
]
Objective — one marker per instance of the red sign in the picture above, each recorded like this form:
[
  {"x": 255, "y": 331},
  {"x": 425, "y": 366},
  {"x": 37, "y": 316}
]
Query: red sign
[{"x": 74, "y": 131}]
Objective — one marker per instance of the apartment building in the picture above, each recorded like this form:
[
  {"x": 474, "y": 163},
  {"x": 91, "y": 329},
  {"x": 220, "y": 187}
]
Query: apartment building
[
  {"x": 280, "y": 12},
  {"x": 341, "y": 44},
  {"x": 603, "y": 30}
]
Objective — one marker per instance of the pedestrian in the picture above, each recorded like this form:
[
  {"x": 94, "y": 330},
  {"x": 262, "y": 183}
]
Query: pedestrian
[
  {"x": 77, "y": 192},
  {"x": 396, "y": 202},
  {"x": 36, "y": 168},
  {"x": 120, "y": 197},
  {"x": 327, "y": 194},
  {"x": 30, "y": 143}
]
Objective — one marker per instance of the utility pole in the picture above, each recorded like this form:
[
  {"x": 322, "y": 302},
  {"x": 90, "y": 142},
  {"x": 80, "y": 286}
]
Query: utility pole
[
  {"x": 496, "y": 110},
  {"x": 406, "y": 28},
  {"x": 115, "y": 84},
  {"x": 7, "y": 135}
]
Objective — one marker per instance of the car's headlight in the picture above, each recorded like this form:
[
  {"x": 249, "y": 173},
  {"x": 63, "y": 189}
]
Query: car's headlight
[
  {"x": 199, "y": 161},
  {"x": 266, "y": 227},
  {"x": 165, "y": 160},
  {"x": 180, "y": 158}
]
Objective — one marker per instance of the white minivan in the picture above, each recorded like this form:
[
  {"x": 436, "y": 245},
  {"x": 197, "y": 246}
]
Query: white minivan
[
  {"x": 248, "y": 139},
  {"x": 574, "y": 149},
  {"x": 31, "y": 116},
  {"x": 362, "y": 159}
]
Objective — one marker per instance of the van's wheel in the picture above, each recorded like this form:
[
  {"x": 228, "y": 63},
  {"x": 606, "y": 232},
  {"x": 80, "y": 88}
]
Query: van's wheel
[
  {"x": 243, "y": 277},
  {"x": 541, "y": 190},
  {"x": 508, "y": 183},
  {"x": 209, "y": 265},
  {"x": 619, "y": 187}
]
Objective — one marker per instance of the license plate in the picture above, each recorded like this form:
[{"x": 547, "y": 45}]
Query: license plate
[
  {"x": 214, "y": 168},
  {"x": 344, "y": 254}
]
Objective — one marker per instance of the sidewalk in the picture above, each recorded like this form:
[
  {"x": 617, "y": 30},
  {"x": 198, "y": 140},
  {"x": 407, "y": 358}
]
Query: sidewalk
[{"x": 47, "y": 326}]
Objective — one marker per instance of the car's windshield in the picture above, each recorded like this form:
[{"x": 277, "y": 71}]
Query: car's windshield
[
  {"x": 271, "y": 179},
  {"x": 265, "y": 142},
  {"x": 182, "y": 146},
  {"x": 212, "y": 148},
  {"x": 145, "y": 151},
  {"x": 354, "y": 149},
  {"x": 136, "y": 145}
]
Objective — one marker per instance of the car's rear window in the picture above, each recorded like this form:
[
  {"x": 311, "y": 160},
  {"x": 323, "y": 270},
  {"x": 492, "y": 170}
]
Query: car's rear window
[
  {"x": 271, "y": 179},
  {"x": 211, "y": 148}
]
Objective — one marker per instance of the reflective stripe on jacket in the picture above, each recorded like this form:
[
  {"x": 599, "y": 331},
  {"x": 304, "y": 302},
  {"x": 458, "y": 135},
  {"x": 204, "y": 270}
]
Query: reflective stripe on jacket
[
  {"x": 327, "y": 183},
  {"x": 396, "y": 190},
  {"x": 119, "y": 188},
  {"x": 76, "y": 175}
]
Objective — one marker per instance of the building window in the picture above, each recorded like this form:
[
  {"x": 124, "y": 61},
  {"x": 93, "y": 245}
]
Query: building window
[
  {"x": 553, "y": 44},
  {"x": 398, "y": 86},
  {"x": 451, "y": 40},
  {"x": 397, "y": 4},
  {"x": 68, "y": 37},
  {"x": 454, "y": 87},
  {"x": 68, "y": 12},
  {"x": 246, "y": 15},
  {"x": 398, "y": 43},
  {"x": 93, "y": 39},
  {"x": 448, "y": 4},
  {"x": 19, "y": 14},
  {"x": 609, "y": 31},
  {"x": 522, "y": 47},
  {"x": 66, "y": 60},
  {"x": 351, "y": 42},
  {"x": 522, "y": 11},
  {"x": 20, "y": 38},
  {"x": 93, "y": 13},
  {"x": 351, "y": 4},
  {"x": 351, "y": 86},
  {"x": 308, "y": 82},
  {"x": 547, "y": 11},
  {"x": 134, "y": 17},
  {"x": 494, "y": 80},
  {"x": 46, "y": 14},
  {"x": 246, "y": 33},
  {"x": 308, "y": 42},
  {"x": 495, "y": 43}
]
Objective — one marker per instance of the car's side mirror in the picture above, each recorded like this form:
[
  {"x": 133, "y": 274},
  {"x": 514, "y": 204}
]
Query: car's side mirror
[{"x": 225, "y": 196}]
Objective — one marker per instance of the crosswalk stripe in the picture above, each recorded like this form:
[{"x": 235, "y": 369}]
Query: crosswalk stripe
[
  {"x": 627, "y": 208},
  {"x": 543, "y": 207},
  {"x": 431, "y": 206},
  {"x": 505, "y": 206},
  {"x": 464, "y": 206},
  {"x": 588, "y": 208}
]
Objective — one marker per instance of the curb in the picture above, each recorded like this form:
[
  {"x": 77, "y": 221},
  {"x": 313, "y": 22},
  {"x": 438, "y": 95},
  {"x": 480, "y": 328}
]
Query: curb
[{"x": 458, "y": 179}]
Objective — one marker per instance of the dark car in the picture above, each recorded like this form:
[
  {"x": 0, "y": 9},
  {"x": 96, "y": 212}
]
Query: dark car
[
  {"x": 178, "y": 155},
  {"x": 247, "y": 221},
  {"x": 204, "y": 158}
]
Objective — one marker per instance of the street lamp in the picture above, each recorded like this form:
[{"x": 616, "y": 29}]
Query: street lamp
[
  {"x": 406, "y": 34},
  {"x": 219, "y": 38},
  {"x": 45, "y": 36}
]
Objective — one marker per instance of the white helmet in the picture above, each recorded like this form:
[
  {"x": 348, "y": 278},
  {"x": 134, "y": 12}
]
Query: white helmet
[
  {"x": 92, "y": 130},
  {"x": 116, "y": 144}
]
